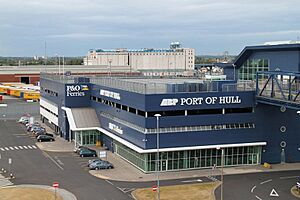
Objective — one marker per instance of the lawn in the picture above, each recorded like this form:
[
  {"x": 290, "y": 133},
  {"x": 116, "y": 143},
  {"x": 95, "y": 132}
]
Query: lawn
[
  {"x": 26, "y": 193},
  {"x": 197, "y": 191}
]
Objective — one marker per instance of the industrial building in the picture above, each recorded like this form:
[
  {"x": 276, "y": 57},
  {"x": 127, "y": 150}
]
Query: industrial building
[
  {"x": 252, "y": 116},
  {"x": 148, "y": 60}
]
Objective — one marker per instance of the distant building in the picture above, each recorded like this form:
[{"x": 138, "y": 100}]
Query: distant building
[{"x": 175, "y": 58}]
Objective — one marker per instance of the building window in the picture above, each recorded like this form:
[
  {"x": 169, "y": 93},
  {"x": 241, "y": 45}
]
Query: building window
[{"x": 251, "y": 66}]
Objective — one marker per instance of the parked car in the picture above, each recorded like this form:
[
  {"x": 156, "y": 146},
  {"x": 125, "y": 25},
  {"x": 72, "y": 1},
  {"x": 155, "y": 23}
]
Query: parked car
[
  {"x": 94, "y": 160},
  {"x": 101, "y": 165},
  {"x": 45, "y": 138},
  {"x": 34, "y": 128},
  {"x": 43, "y": 133},
  {"x": 38, "y": 129},
  {"x": 86, "y": 152},
  {"x": 24, "y": 120},
  {"x": 77, "y": 149},
  {"x": 40, "y": 132}
]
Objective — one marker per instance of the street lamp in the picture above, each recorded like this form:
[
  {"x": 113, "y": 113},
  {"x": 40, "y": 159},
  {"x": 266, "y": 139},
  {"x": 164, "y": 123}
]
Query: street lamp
[
  {"x": 222, "y": 171},
  {"x": 157, "y": 154},
  {"x": 110, "y": 60}
]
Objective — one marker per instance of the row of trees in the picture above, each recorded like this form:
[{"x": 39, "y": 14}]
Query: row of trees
[{"x": 15, "y": 61}]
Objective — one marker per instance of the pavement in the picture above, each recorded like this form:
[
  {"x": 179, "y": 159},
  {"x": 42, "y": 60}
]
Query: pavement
[
  {"x": 4, "y": 181},
  {"x": 65, "y": 195}
]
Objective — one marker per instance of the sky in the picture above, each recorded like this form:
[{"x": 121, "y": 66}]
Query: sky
[{"x": 72, "y": 27}]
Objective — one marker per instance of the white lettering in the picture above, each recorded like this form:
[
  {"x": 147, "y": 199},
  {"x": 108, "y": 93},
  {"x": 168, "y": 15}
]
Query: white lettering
[
  {"x": 110, "y": 94},
  {"x": 169, "y": 102},
  {"x": 230, "y": 100},
  {"x": 74, "y": 91},
  {"x": 115, "y": 128}
]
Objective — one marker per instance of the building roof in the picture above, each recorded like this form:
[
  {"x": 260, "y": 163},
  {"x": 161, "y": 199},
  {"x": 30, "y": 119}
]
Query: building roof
[
  {"x": 248, "y": 50},
  {"x": 80, "y": 118}
]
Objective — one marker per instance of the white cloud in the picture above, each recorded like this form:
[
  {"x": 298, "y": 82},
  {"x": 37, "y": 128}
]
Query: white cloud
[{"x": 141, "y": 22}]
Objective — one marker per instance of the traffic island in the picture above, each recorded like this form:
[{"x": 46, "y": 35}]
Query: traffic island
[
  {"x": 186, "y": 192},
  {"x": 27, "y": 193},
  {"x": 295, "y": 191}
]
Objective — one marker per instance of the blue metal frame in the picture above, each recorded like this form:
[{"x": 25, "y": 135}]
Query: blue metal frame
[{"x": 273, "y": 78}]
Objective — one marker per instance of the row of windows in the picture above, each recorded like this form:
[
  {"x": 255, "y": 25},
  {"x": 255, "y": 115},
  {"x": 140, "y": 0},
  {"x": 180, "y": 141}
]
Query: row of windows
[
  {"x": 191, "y": 159},
  {"x": 211, "y": 127},
  {"x": 48, "y": 110},
  {"x": 52, "y": 93},
  {"x": 251, "y": 66},
  {"x": 173, "y": 112}
]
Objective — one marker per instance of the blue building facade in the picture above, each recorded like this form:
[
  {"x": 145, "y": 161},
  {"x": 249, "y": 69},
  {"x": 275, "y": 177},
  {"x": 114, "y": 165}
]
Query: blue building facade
[{"x": 197, "y": 119}]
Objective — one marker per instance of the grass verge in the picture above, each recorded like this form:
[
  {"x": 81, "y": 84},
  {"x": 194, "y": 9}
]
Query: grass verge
[
  {"x": 25, "y": 193},
  {"x": 197, "y": 191}
]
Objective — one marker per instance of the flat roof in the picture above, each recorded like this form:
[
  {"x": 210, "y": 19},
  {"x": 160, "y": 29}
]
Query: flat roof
[{"x": 174, "y": 80}]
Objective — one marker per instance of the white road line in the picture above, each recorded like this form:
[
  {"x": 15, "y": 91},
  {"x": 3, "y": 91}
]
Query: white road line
[
  {"x": 25, "y": 147},
  {"x": 16, "y": 147},
  {"x": 288, "y": 177},
  {"x": 20, "y": 147},
  {"x": 2, "y": 149},
  {"x": 253, "y": 188},
  {"x": 192, "y": 181},
  {"x": 6, "y": 148},
  {"x": 109, "y": 182},
  {"x": 29, "y": 147},
  {"x": 47, "y": 155},
  {"x": 266, "y": 181},
  {"x": 258, "y": 197},
  {"x": 11, "y": 148},
  {"x": 34, "y": 147}
]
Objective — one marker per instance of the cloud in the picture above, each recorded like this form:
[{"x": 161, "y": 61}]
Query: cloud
[{"x": 202, "y": 24}]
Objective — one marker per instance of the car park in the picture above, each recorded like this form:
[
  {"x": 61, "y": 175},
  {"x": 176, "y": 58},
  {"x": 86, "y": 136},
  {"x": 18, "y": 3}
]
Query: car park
[
  {"x": 45, "y": 138},
  {"x": 101, "y": 165},
  {"x": 86, "y": 152}
]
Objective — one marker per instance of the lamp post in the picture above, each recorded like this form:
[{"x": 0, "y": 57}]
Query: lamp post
[
  {"x": 110, "y": 60},
  {"x": 222, "y": 171},
  {"x": 233, "y": 71},
  {"x": 157, "y": 154}
]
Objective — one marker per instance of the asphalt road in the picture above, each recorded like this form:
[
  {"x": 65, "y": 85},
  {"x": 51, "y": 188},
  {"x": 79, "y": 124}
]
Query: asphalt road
[{"x": 33, "y": 166}]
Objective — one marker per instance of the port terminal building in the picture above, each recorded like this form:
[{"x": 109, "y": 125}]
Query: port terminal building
[{"x": 252, "y": 115}]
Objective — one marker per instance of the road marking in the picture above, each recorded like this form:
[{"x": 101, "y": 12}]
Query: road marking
[
  {"x": 274, "y": 193},
  {"x": 289, "y": 177},
  {"x": 16, "y": 147},
  {"x": 252, "y": 190},
  {"x": 109, "y": 182},
  {"x": 2, "y": 149},
  {"x": 25, "y": 147},
  {"x": 29, "y": 147},
  {"x": 126, "y": 190},
  {"x": 6, "y": 148},
  {"x": 258, "y": 197},
  {"x": 20, "y": 147},
  {"x": 34, "y": 147},
  {"x": 266, "y": 181},
  {"x": 11, "y": 148},
  {"x": 48, "y": 156},
  {"x": 192, "y": 181}
]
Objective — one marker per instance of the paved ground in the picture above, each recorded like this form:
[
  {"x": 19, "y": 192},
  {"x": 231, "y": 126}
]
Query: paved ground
[
  {"x": 30, "y": 165},
  {"x": 17, "y": 107}
]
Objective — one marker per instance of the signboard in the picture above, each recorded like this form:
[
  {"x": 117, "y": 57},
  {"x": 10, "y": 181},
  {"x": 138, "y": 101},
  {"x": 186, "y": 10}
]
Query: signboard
[
  {"x": 102, "y": 154},
  {"x": 154, "y": 188},
  {"x": 115, "y": 128},
  {"x": 76, "y": 90},
  {"x": 55, "y": 185},
  {"x": 110, "y": 94},
  {"x": 192, "y": 101}
]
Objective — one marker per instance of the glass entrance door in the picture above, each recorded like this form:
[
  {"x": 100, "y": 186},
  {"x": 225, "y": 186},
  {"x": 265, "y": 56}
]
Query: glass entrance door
[{"x": 164, "y": 165}]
